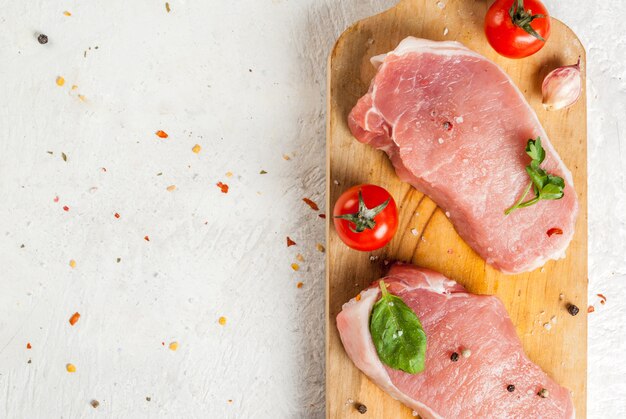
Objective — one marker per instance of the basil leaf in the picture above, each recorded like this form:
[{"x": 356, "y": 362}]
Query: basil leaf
[{"x": 397, "y": 333}]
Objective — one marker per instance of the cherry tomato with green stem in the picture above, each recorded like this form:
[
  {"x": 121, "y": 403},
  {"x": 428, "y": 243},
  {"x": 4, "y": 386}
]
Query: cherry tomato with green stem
[
  {"x": 366, "y": 217},
  {"x": 517, "y": 28}
]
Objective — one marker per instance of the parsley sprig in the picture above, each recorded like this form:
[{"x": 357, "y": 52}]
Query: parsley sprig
[{"x": 545, "y": 185}]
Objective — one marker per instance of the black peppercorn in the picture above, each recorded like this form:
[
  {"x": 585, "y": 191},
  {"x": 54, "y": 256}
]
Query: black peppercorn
[
  {"x": 361, "y": 408},
  {"x": 510, "y": 388},
  {"x": 572, "y": 309},
  {"x": 454, "y": 357},
  {"x": 543, "y": 393},
  {"x": 43, "y": 39}
]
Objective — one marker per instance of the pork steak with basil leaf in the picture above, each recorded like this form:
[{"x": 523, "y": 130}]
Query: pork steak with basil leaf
[{"x": 475, "y": 366}]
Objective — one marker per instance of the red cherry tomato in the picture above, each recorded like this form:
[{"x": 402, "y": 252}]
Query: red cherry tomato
[
  {"x": 517, "y": 28},
  {"x": 366, "y": 217}
]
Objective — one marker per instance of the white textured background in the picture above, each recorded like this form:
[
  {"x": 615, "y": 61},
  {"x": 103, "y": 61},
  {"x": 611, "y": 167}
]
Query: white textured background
[{"x": 246, "y": 81}]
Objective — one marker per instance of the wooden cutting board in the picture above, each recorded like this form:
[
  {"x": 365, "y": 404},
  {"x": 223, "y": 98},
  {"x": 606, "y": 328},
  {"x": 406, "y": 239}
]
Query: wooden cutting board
[{"x": 532, "y": 300}]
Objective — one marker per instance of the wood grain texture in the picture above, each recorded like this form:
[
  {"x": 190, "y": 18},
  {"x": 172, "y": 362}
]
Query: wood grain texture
[{"x": 531, "y": 299}]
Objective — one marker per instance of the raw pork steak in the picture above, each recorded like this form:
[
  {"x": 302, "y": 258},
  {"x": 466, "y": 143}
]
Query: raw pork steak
[
  {"x": 453, "y": 319},
  {"x": 455, "y": 127}
]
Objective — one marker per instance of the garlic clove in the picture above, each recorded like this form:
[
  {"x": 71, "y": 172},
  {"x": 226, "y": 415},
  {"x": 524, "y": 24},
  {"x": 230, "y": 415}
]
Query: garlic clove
[{"x": 562, "y": 87}]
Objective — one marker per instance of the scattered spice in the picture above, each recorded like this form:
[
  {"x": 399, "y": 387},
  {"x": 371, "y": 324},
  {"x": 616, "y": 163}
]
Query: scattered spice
[
  {"x": 70, "y": 368},
  {"x": 320, "y": 247},
  {"x": 543, "y": 393},
  {"x": 173, "y": 346},
  {"x": 72, "y": 263},
  {"x": 299, "y": 284},
  {"x": 196, "y": 148},
  {"x": 286, "y": 157},
  {"x": 361, "y": 408},
  {"x": 229, "y": 174},
  {"x": 81, "y": 98},
  {"x": 74, "y": 318},
  {"x": 358, "y": 297},
  {"x": 64, "y": 156},
  {"x": 602, "y": 299},
  {"x": 171, "y": 188},
  {"x": 161, "y": 134},
  {"x": 167, "y": 7},
  {"x": 223, "y": 187},
  {"x": 60, "y": 81},
  {"x": 74, "y": 87},
  {"x": 262, "y": 172},
  {"x": 510, "y": 388},
  {"x": 466, "y": 353},
  {"x": 554, "y": 230},
  {"x": 454, "y": 357},
  {"x": 148, "y": 398},
  {"x": 119, "y": 260},
  {"x": 290, "y": 242},
  {"x": 42, "y": 39},
  {"x": 29, "y": 346},
  {"x": 311, "y": 204},
  {"x": 146, "y": 238},
  {"x": 66, "y": 208},
  {"x": 66, "y": 13},
  {"x": 295, "y": 266},
  {"x": 591, "y": 309},
  {"x": 222, "y": 320},
  {"x": 572, "y": 309},
  {"x": 116, "y": 215},
  {"x": 299, "y": 257},
  {"x": 56, "y": 199},
  {"x": 322, "y": 216},
  {"x": 94, "y": 404}
]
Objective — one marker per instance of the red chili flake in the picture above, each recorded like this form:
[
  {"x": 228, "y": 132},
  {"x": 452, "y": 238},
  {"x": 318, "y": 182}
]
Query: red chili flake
[
  {"x": 74, "y": 318},
  {"x": 116, "y": 215},
  {"x": 554, "y": 230},
  {"x": 603, "y": 298},
  {"x": 290, "y": 242},
  {"x": 161, "y": 134},
  {"x": 66, "y": 208},
  {"x": 56, "y": 199},
  {"x": 591, "y": 309},
  {"x": 311, "y": 204},
  {"x": 104, "y": 169},
  {"x": 322, "y": 216},
  {"x": 28, "y": 346},
  {"x": 223, "y": 187},
  {"x": 450, "y": 251},
  {"x": 162, "y": 343},
  {"x": 147, "y": 238}
]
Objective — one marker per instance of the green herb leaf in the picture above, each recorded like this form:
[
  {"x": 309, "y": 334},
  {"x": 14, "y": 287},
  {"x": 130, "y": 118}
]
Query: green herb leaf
[
  {"x": 397, "y": 333},
  {"x": 545, "y": 185},
  {"x": 535, "y": 150},
  {"x": 551, "y": 191},
  {"x": 538, "y": 176}
]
